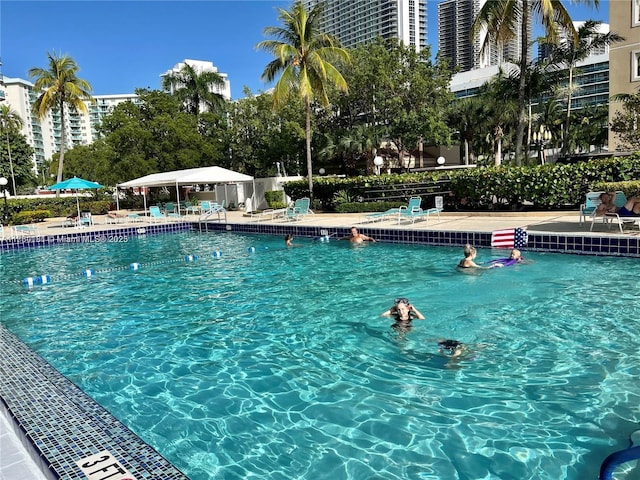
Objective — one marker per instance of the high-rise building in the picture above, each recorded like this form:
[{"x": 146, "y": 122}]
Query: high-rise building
[
  {"x": 563, "y": 37},
  {"x": 624, "y": 57},
  {"x": 44, "y": 135},
  {"x": 201, "y": 66},
  {"x": 355, "y": 22},
  {"x": 455, "y": 18}
]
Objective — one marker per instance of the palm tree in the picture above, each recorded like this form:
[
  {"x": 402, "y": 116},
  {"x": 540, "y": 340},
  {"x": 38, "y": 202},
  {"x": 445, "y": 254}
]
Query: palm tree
[
  {"x": 502, "y": 18},
  {"x": 567, "y": 54},
  {"x": 195, "y": 89},
  {"x": 303, "y": 56},
  {"x": 465, "y": 115},
  {"x": 10, "y": 121},
  {"x": 59, "y": 86}
]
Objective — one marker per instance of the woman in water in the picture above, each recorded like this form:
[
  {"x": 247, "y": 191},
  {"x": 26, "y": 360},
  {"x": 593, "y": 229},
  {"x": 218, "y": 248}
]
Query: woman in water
[
  {"x": 403, "y": 313},
  {"x": 469, "y": 257}
]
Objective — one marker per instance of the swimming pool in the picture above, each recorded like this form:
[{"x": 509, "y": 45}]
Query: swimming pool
[{"x": 276, "y": 364}]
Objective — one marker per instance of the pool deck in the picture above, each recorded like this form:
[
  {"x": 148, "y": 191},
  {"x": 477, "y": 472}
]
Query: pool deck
[
  {"x": 47, "y": 424},
  {"x": 559, "y": 231}
]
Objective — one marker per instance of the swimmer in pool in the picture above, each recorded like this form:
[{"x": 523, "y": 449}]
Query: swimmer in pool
[
  {"x": 469, "y": 259},
  {"x": 403, "y": 313}
]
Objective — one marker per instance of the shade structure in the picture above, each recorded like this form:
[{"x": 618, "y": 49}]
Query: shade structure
[
  {"x": 76, "y": 184},
  {"x": 190, "y": 176}
]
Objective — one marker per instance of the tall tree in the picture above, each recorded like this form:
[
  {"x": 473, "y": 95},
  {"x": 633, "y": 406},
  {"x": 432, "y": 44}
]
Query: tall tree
[
  {"x": 10, "y": 121},
  {"x": 59, "y": 85},
  {"x": 502, "y": 18},
  {"x": 566, "y": 54},
  {"x": 306, "y": 60},
  {"x": 195, "y": 89}
]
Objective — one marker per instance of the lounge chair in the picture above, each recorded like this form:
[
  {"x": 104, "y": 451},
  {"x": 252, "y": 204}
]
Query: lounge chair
[
  {"x": 268, "y": 213},
  {"x": 25, "y": 231},
  {"x": 85, "y": 220},
  {"x": 414, "y": 212},
  {"x": 208, "y": 208},
  {"x": 299, "y": 210},
  {"x": 589, "y": 207},
  {"x": 156, "y": 215},
  {"x": 609, "y": 218},
  {"x": 374, "y": 217}
]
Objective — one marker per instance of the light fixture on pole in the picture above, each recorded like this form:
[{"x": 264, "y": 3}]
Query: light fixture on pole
[
  {"x": 3, "y": 184},
  {"x": 378, "y": 161},
  {"x": 540, "y": 138}
]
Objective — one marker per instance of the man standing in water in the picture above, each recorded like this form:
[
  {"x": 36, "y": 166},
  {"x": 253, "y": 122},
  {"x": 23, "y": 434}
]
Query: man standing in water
[{"x": 357, "y": 237}]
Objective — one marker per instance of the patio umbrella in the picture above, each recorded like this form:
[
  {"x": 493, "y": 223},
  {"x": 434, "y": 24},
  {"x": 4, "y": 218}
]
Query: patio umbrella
[{"x": 76, "y": 184}]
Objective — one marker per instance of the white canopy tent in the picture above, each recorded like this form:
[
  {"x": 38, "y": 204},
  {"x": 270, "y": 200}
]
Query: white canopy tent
[{"x": 191, "y": 176}]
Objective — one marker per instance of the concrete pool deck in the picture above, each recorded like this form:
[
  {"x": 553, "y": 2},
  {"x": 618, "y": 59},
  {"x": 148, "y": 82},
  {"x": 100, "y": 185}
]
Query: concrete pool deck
[
  {"x": 560, "y": 222},
  {"x": 548, "y": 231}
]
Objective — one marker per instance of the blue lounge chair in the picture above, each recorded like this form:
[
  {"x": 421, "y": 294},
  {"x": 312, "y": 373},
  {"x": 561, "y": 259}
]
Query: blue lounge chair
[
  {"x": 588, "y": 208},
  {"x": 414, "y": 212},
  {"x": 374, "y": 217},
  {"x": 156, "y": 215},
  {"x": 299, "y": 210}
]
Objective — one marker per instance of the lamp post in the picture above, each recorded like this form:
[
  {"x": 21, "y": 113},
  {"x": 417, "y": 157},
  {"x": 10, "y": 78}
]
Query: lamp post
[
  {"x": 3, "y": 184},
  {"x": 378, "y": 161},
  {"x": 542, "y": 137}
]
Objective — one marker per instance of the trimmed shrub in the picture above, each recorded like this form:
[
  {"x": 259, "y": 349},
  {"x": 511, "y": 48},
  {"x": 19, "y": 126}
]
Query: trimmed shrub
[{"x": 31, "y": 216}]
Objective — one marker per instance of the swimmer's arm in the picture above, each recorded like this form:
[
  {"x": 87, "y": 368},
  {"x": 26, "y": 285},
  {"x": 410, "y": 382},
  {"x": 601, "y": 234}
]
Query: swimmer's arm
[
  {"x": 419, "y": 316},
  {"x": 388, "y": 313}
]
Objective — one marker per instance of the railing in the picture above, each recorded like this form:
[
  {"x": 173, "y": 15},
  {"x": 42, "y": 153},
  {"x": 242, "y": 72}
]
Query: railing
[{"x": 403, "y": 191}]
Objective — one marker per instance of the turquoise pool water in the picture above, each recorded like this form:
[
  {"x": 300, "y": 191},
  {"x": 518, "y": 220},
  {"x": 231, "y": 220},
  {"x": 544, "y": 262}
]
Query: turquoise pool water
[{"x": 277, "y": 364}]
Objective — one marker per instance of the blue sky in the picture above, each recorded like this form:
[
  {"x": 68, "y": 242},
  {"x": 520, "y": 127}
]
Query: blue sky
[{"x": 124, "y": 45}]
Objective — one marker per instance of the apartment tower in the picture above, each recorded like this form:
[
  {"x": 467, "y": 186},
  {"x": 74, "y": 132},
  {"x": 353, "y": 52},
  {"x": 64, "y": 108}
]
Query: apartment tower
[
  {"x": 361, "y": 21},
  {"x": 624, "y": 57},
  {"x": 455, "y": 18}
]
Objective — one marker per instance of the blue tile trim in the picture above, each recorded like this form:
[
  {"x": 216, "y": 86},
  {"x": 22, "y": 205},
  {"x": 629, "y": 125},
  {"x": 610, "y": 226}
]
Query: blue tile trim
[
  {"x": 61, "y": 424},
  {"x": 611, "y": 245}
]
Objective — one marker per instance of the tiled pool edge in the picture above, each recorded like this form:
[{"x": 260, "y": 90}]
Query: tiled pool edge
[
  {"x": 572, "y": 243},
  {"x": 610, "y": 245},
  {"x": 61, "y": 424},
  {"x": 80, "y": 236}
]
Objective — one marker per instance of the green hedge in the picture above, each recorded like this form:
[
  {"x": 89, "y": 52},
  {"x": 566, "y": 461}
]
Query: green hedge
[
  {"x": 274, "y": 199},
  {"x": 544, "y": 186},
  {"x": 31, "y": 216},
  {"x": 56, "y": 207}
]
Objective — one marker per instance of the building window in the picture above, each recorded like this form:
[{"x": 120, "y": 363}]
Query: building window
[
  {"x": 635, "y": 66},
  {"x": 635, "y": 14}
]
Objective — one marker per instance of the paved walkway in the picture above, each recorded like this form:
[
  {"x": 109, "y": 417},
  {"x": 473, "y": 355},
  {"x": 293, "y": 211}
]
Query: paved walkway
[{"x": 551, "y": 222}]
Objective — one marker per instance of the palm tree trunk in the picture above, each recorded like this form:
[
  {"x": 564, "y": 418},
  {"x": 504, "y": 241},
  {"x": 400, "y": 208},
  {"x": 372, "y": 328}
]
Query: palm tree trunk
[
  {"x": 308, "y": 138},
  {"x": 567, "y": 120},
  {"x": 62, "y": 142},
  {"x": 13, "y": 177},
  {"x": 522, "y": 101}
]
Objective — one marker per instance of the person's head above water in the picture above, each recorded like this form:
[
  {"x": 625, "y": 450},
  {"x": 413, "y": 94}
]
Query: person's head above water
[
  {"x": 469, "y": 251},
  {"x": 515, "y": 254}
]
